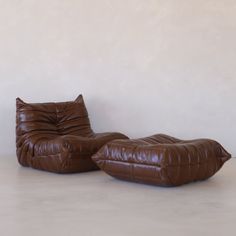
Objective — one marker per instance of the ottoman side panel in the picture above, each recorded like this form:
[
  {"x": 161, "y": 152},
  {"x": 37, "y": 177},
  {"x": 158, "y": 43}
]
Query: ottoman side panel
[
  {"x": 198, "y": 160},
  {"x": 132, "y": 163}
]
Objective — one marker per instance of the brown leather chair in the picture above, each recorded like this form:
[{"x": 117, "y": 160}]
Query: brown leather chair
[{"x": 57, "y": 137}]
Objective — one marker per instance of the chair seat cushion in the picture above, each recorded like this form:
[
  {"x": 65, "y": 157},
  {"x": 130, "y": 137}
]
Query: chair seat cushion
[
  {"x": 161, "y": 159},
  {"x": 69, "y": 153}
]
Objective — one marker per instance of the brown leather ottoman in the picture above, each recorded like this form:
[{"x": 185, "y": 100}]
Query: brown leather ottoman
[{"x": 161, "y": 159}]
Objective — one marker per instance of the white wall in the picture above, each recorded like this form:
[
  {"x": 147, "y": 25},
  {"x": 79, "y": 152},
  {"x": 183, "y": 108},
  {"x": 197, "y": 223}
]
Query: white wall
[{"x": 144, "y": 67}]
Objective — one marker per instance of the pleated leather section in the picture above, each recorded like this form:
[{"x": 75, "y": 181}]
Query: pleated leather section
[
  {"x": 161, "y": 159},
  {"x": 57, "y": 136}
]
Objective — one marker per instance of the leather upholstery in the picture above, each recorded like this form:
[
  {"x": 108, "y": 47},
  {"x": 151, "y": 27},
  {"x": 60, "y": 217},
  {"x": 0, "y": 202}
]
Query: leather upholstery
[
  {"x": 161, "y": 159},
  {"x": 57, "y": 137}
]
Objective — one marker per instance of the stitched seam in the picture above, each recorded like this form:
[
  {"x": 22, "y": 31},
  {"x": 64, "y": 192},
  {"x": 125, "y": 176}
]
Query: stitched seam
[{"x": 155, "y": 165}]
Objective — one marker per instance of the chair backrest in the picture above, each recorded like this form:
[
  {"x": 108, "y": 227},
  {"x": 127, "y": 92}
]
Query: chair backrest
[{"x": 52, "y": 119}]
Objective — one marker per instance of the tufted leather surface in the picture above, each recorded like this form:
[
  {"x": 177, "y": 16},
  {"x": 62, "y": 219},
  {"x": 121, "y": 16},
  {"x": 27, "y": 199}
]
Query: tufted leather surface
[
  {"x": 57, "y": 137},
  {"x": 161, "y": 159}
]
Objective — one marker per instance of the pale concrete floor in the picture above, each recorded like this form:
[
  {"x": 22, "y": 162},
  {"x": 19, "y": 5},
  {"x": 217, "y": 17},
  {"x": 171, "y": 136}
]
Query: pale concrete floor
[{"x": 92, "y": 204}]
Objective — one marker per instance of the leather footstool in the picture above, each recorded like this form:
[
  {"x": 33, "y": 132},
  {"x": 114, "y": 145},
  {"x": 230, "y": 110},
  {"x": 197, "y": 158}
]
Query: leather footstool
[{"x": 161, "y": 159}]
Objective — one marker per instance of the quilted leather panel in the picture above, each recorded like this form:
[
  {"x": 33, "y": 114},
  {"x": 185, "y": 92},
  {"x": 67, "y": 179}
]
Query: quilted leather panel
[
  {"x": 57, "y": 136},
  {"x": 161, "y": 159}
]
